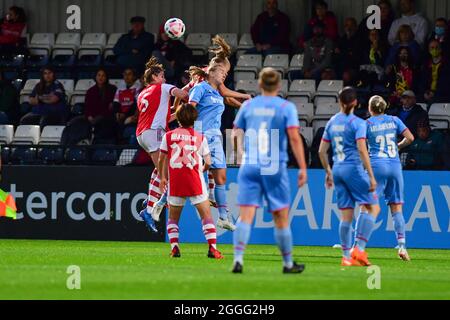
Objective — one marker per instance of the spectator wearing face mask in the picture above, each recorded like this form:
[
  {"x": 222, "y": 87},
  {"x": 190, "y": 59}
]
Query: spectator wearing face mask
[
  {"x": 441, "y": 33},
  {"x": 405, "y": 38}
]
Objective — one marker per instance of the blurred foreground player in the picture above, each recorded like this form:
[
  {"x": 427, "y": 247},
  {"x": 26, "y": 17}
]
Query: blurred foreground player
[
  {"x": 183, "y": 151},
  {"x": 264, "y": 124}
]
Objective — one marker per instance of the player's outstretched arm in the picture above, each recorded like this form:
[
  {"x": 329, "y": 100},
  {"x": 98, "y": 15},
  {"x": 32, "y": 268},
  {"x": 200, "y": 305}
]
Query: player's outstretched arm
[
  {"x": 408, "y": 138},
  {"x": 180, "y": 94},
  {"x": 299, "y": 153},
  {"x": 323, "y": 155},
  {"x": 228, "y": 93},
  {"x": 364, "y": 155}
]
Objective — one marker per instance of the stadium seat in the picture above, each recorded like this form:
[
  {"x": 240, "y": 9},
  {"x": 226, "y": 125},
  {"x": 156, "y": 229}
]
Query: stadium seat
[
  {"x": 12, "y": 61},
  {"x": 198, "y": 43},
  {"x": 302, "y": 89},
  {"x": 68, "y": 85},
  {"x": 63, "y": 54},
  {"x": 231, "y": 39},
  {"x": 90, "y": 52},
  {"x": 249, "y": 86},
  {"x": 6, "y": 155},
  {"x": 104, "y": 156},
  {"x": 6, "y": 134},
  {"x": 26, "y": 134},
  {"x": 307, "y": 133},
  {"x": 83, "y": 85},
  {"x": 423, "y": 105},
  {"x": 23, "y": 155},
  {"x": 245, "y": 43},
  {"x": 41, "y": 44},
  {"x": 248, "y": 63},
  {"x": 108, "y": 53},
  {"x": 305, "y": 111},
  {"x": 112, "y": 40},
  {"x": 284, "y": 88},
  {"x": 439, "y": 115},
  {"x": 27, "y": 89},
  {"x": 51, "y": 135},
  {"x": 326, "y": 110},
  {"x": 50, "y": 155},
  {"x": 279, "y": 62},
  {"x": 76, "y": 155},
  {"x": 126, "y": 157},
  {"x": 116, "y": 82},
  {"x": 18, "y": 84},
  {"x": 317, "y": 124},
  {"x": 328, "y": 91},
  {"x": 295, "y": 67}
]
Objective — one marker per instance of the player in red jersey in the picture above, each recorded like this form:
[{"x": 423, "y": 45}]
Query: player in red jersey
[
  {"x": 183, "y": 151},
  {"x": 154, "y": 116}
]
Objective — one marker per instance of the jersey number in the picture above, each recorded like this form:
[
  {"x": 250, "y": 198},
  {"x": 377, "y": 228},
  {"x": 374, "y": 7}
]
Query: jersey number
[
  {"x": 388, "y": 140},
  {"x": 188, "y": 159},
  {"x": 339, "y": 148}
]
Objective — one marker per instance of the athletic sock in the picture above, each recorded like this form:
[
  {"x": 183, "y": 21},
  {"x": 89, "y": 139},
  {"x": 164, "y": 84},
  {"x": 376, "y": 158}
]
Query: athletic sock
[
  {"x": 211, "y": 185},
  {"x": 283, "y": 238},
  {"x": 364, "y": 230},
  {"x": 358, "y": 223},
  {"x": 173, "y": 233},
  {"x": 345, "y": 233},
  {"x": 240, "y": 239},
  {"x": 154, "y": 193},
  {"x": 163, "y": 200},
  {"x": 221, "y": 199},
  {"x": 209, "y": 230},
  {"x": 399, "y": 227}
]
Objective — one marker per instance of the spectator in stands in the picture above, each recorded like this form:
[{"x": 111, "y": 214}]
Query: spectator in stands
[
  {"x": 134, "y": 48},
  {"x": 404, "y": 38},
  {"x": 402, "y": 75},
  {"x": 99, "y": 99},
  {"x": 125, "y": 99},
  {"x": 387, "y": 17},
  {"x": 321, "y": 14},
  {"x": 318, "y": 53},
  {"x": 418, "y": 24},
  {"x": 48, "y": 101},
  {"x": 346, "y": 52},
  {"x": 372, "y": 59},
  {"x": 425, "y": 153},
  {"x": 174, "y": 55},
  {"x": 271, "y": 31},
  {"x": 12, "y": 29},
  {"x": 441, "y": 33},
  {"x": 9, "y": 102},
  {"x": 409, "y": 111},
  {"x": 436, "y": 75}
]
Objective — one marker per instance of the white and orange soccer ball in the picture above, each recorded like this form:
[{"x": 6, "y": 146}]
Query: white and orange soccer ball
[{"x": 174, "y": 28}]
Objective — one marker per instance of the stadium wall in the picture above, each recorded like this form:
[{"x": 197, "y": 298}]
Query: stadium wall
[
  {"x": 211, "y": 16},
  {"x": 102, "y": 203}
]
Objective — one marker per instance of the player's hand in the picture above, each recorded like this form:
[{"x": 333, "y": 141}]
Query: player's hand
[
  {"x": 163, "y": 184},
  {"x": 373, "y": 185},
  {"x": 329, "y": 180},
  {"x": 302, "y": 178}
]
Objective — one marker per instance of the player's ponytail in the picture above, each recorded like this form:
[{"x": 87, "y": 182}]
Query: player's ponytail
[
  {"x": 269, "y": 79},
  {"x": 348, "y": 99},
  {"x": 221, "y": 51},
  {"x": 377, "y": 105},
  {"x": 152, "y": 67}
]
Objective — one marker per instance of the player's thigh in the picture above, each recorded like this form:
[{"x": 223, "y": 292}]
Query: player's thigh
[
  {"x": 176, "y": 201},
  {"x": 343, "y": 194},
  {"x": 395, "y": 185},
  {"x": 359, "y": 185},
  {"x": 150, "y": 140},
  {"x": 381, "y": 176},
  {"x": 250, "y": 190},
  {"x": 215, "y": 145},
  {"x": 276, "y": 190}
]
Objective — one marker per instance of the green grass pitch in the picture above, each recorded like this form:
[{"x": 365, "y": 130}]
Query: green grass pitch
[{"x": 32, "y": 269}]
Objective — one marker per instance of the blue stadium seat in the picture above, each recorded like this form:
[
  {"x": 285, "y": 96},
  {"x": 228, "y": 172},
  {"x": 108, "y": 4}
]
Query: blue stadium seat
[
  {"x": 76, "y": 155},
  {"x": 23, "y": 155},
  {"x": 51, "y": 155},
  {"x": 104, "y": 156},
  {"x": 18, "y": 84},
  {"x": 36, "y": 62},
  {"x": 12, "y": 61},
  {"x": 6, "y": 155}
]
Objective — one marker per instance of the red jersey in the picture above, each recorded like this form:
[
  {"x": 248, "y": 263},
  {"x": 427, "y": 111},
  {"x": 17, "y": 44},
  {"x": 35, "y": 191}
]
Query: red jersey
[
  {"x": 154, "y": 107},
  {"x": 185, "y": 149}
]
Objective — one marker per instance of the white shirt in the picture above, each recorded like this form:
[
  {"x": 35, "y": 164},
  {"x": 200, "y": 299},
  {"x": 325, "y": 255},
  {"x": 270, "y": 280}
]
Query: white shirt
[{"x": 418, "y": 24}]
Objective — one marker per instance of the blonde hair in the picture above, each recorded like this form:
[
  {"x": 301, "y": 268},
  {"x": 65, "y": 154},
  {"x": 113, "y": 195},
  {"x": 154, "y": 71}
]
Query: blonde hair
[
  {"x": 269, "y": 79},
  {"x": 152, "y": 67},
  {"x": 377, "y": 104},
  {"x": 221, "y": 51}
]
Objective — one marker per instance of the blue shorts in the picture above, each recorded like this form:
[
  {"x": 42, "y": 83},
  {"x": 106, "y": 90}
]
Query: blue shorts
[
  {"x": 253, "y": 187},
  {"x": 389, "y": 181},
  {"x": 215, "y": 145},
  {"x": 352, "y": 185}
]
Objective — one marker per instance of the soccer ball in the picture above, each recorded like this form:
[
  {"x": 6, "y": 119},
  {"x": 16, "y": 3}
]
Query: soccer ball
[{"x": 174, "y": 28}]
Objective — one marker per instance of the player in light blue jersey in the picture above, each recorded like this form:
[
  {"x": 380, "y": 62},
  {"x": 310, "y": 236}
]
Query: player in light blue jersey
[
  {"x": 263, "y": 127},
  {"x": 382, "y": 133},
  {"x": 209, "y": 103},
  {"x": 347, "y": 135}
]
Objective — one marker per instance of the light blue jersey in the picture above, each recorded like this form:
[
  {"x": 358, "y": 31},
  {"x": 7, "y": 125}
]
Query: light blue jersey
[
  {"x": 382, "y": 132},
  {"x": 265, "y": 120},
  {"x": 210, "y": 108},
  {"x": 342, "y": 131}
]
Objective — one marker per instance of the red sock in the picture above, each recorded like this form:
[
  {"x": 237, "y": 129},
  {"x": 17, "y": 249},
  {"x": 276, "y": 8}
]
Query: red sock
[
  {"x": 173, "y": 233},
  {"x": 154, "y": 193},
  {"x": 209, "y": 230}
]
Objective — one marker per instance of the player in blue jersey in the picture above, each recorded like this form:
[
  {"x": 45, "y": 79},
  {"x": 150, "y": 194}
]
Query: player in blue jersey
[
  {"x": 347, "y": 135},
  {"x": 209, "y": 103},
  {"x": 263, "y": 127},
  {"x": 382, "y": 133}
]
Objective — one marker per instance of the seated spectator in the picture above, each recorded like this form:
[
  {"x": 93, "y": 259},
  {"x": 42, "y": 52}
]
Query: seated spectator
[
  {"x": 387, "y": 17},
  {"x": 48, "y": 101},
  {"x": 9, "y": 102},
  {"x": 405, "y": 38},
  {"x": 125, "y": 99},
  {"x": 174, "y": 55},
  {"x": 318, "y": 53},
  {"x": 435, "y": 75},
  {"x": 134, "y": 48},
  {"x": 409, "y": 111},
  {"x": 12, "y": 29},
  {"x": 271, "y": 31},
  {"x": 418, "y": 24},
  {"x": 372, "y": 59},
  {"x": 346, "y": 52},
  {"x": 402, "y": 75},
  {"x": 99, "y": 99},
  {"x": 321, "y": 14},
  {"x": 425, "y": 153},
  {"x": 441, "y": 33}
]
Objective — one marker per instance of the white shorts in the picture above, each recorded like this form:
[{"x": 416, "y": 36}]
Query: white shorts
[
  {"x": 180, "y": 201},
  {"x": 150, "y": 140}
]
